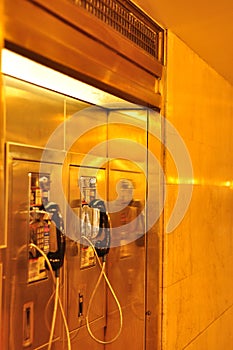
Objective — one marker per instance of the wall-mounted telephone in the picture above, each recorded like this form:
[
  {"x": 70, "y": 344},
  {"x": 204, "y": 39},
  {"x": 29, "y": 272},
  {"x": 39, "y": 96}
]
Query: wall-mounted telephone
[
  {"x": 96, "y": 240},
  {"x": 57, "y": 237},
  {"x": 39, "y": 234},
  {"x": 95, "y": 225},
  {"x": 102, "y": 240},
  {"x": 102, "y": 246},
  {"x": 46, "y": 229}
]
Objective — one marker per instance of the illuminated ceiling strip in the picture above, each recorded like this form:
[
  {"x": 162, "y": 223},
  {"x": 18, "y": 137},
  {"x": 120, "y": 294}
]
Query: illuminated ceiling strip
[{"x": 25, "y": 69}]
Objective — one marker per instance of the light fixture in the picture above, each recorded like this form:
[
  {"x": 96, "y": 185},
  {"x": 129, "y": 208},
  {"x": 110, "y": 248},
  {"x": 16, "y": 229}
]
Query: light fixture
[{"x": 25, "y": 69}]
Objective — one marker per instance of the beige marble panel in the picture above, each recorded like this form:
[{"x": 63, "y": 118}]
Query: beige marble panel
[
  {"x": 198, "y": 254},
  {"x": 196, "y": 302},
  {"x": 218, "y": 335}
]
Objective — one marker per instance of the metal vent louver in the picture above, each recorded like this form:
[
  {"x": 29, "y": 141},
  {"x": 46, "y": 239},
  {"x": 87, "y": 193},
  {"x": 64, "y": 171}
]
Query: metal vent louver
[{"x": 128, "y": 20}]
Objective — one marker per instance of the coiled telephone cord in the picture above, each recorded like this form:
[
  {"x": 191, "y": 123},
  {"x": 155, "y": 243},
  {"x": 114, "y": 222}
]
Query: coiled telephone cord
[
  {"x": 57, "y": 301},
  {"x": 102, "y": 274}
]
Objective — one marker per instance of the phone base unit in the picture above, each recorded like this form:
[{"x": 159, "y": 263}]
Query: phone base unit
[
  {"x": 39, "y": 232},
  {"x": 39, "y": 226}
]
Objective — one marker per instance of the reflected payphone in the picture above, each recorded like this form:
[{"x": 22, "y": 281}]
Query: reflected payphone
[{"x": 94, "y": 222}]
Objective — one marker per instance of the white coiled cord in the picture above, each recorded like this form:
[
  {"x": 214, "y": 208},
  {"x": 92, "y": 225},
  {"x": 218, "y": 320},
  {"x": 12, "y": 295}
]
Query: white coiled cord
[
  {"x": 57, "y": 301},
  {"x": 102, "y": 274}
]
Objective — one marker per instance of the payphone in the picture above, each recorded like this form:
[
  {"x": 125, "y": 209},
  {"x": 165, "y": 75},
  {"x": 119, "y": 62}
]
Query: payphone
[
  {"x": 46, "y": 242},
  {"x": 98, "y": 238},
  {"x": 94, "y": 222},
  {"x": 46, "y": 229},
  {"x": 87, "y": 276}
]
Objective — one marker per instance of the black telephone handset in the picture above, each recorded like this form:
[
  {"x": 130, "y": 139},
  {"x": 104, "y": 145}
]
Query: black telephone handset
[
  {"x": 102, "y": 246},
  {"x": 57, "y": 237}
]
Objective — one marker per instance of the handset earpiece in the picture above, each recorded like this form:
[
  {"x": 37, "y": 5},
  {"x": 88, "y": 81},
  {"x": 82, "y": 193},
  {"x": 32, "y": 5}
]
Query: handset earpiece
[
  {"x": 57, "y": 239},
  {"x": 102, "y": 246}
]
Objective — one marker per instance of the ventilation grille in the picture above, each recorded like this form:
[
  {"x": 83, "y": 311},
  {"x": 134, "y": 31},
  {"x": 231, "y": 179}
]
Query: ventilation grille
[{"x": 128, "y": 20}]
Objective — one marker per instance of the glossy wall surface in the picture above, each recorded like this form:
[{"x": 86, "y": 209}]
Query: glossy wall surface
[
  {"x": 109, "y": 143},
  {"x": 198, "y": 260},
  {"x": 2, "y": 215}
]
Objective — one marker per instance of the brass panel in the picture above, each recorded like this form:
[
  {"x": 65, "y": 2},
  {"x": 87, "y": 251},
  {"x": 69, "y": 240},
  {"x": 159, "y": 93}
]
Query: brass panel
[
  {"x": 2, "y": 135},
  {"x": 81, "y": 340},
  {"x": 3, "y": 238},
  {"x": 32, "y": 113},
  {"x": 18, "y": 291},
  {"x": 87, "y": 127},
  {"x": 153, "y": 307},
  {"x": 25, "y": 152},
  {"x": 99, "y": 30},
  {"x": 75, "y": 53},
  {"x": 1, "y": 301},
  {"x": 132, "y": 336},
  {"x": 126, "y": 271},
  {"x": 82, "y": 280},
  {"x": 154, "y": 239},
  {"x": 129, "y": 265},
  {"x": 126, "y": 267}
]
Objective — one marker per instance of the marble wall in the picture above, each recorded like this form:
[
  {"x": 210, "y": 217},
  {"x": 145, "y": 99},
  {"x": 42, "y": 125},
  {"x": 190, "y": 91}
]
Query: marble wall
[{"x": 198, "y": 254}]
